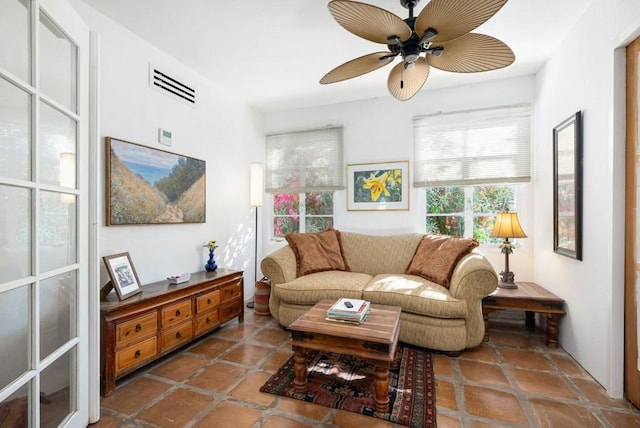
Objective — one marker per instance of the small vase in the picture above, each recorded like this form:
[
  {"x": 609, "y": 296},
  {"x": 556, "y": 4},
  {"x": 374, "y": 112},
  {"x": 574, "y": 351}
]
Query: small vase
[{"x": 211, "y": 264}]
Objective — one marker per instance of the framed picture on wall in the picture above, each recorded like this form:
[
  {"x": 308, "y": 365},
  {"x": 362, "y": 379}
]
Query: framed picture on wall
[
  {"x": 123, "y": 275},
  {"x": 151, "y": 186},
  {"x": 378, "y": 186},
  {"x": 567, "y": 187}
]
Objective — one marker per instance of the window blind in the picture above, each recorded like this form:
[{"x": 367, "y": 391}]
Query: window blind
[
  {"x": 308, "y": 161},
  {"x": 473, "y": 147}
]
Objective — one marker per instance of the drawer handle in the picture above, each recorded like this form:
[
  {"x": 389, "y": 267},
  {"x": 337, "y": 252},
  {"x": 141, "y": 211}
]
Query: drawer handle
[
  {"x": 178, "y": 335},
  {"x": 208, "y": 301},
  {"x": 137, "y": 354},
  {"x": 138, "y": 327},
  {"x": 178, "y": 313},
  {"x": 208, "y": 320}
]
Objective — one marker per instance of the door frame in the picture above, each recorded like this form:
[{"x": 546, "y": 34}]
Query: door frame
[{"x": 632, "y": 265}]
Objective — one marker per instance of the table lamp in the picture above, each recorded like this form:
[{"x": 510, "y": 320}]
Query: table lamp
[{"x": 507, "y": 226}]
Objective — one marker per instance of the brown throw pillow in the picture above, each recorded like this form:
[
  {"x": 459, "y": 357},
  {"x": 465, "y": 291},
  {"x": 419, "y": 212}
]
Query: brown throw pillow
[
  {"x": 437, "y": 255},
  {"x": 317, "y": 252}
]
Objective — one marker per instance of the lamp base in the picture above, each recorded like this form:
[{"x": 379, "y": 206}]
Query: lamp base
[
  {"x": 507, "y": 279},
  {"x": 507, "y": 285}
]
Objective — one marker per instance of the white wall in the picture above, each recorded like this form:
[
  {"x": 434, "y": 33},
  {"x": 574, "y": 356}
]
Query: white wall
[
  {"x": 221, "y": 131},
  {"x": 381, "y": 129},
  {"x": 585, "y": 74}
]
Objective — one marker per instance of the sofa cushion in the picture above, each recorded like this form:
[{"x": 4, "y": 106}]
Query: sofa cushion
[
  {"x": 376, "y": 254},
  {"x": 317, "y": 252},
  {"x": 310, "y": 289},
  {"x": 437, "y": 255},
  {"x": 414, "y": 294}
]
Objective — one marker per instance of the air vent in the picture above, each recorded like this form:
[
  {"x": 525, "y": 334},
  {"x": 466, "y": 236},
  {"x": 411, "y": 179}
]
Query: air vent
[{"x": 168, "y": 85}]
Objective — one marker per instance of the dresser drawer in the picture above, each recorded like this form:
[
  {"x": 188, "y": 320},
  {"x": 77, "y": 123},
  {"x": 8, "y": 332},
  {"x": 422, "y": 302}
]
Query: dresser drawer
[
  {"x": 230, "y": 291},
  {"x": 176, "y": 336},
  {"x": 207, "y": 301},
  {"x": 176, "y": 313},
  {"x": 205, "y": 322},
  {"x": 230, "y": 310},
  {"x": 136, "y": 354},
  {"x": 136, "y": 329}
]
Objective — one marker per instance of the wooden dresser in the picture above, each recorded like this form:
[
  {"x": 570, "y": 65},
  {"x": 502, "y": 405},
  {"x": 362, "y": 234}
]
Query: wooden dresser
[{"x": 163, "y": 317}]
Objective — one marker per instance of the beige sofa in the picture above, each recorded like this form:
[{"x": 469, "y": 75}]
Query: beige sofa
[{"x": 433, "y": 316}]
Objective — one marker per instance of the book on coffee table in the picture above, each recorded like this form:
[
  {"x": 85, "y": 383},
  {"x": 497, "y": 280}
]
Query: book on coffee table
[{"x": 349, "y": 310}]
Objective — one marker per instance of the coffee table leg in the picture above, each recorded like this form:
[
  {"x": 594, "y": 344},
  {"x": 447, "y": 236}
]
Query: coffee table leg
[
  {"x": 300, "y": 381},
  {"x": 382, "y": 388}
]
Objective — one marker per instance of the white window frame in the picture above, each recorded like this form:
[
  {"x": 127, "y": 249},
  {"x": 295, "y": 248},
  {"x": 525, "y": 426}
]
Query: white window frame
[{"x": 302, "y": 213}]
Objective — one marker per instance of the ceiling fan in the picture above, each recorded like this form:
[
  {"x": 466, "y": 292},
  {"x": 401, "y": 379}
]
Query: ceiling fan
[{"x": 442, "y": 31}]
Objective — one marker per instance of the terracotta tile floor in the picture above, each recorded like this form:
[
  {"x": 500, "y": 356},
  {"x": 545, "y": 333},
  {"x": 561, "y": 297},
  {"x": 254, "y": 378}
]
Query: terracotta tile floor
[{"x": 512, "y": 380}]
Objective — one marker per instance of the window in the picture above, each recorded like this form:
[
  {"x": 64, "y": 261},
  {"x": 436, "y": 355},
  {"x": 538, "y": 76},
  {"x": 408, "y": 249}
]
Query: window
[
  {"x": 473, "y": 147},
  {"x": 468, "y": 162},
  {"x": 302, "y": 212},
  {"x": 467, "y": 211},
  {"x": 303, "y": 169}
]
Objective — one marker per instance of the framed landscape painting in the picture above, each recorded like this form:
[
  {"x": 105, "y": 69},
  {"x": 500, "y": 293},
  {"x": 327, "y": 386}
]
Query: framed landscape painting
[
  {"x": 378, "y": 186},
  {"x": 151, "y": 186}
]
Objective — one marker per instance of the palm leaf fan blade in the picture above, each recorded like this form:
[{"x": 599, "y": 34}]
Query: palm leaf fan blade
[
  {"x": 403, "y": 83},
  {"x": 472, "y": 53},
  {"x": 357, "y": 67},
  {"x": 369, "y": 22},
  {"x": 454, "y": 18}
]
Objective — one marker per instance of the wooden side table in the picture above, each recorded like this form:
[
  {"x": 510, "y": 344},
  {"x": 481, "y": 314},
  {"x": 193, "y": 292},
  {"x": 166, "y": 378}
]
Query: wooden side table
[{"x": 531, "y": 298}]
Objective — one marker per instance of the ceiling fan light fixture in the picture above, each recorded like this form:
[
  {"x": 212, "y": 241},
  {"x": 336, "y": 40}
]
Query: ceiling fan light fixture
[
  {"x": 428, "y": 34},
  {"x": 437, "y": 51},
  {"x": 394, "y": 40}
]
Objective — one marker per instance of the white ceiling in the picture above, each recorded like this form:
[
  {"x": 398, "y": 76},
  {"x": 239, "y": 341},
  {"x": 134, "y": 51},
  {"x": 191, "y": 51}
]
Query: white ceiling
[{"x": 273, "y": 53}]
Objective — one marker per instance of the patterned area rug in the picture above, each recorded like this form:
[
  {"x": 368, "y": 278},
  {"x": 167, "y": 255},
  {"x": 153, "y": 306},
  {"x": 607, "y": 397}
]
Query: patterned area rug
[{"x": 345, "y": 382}]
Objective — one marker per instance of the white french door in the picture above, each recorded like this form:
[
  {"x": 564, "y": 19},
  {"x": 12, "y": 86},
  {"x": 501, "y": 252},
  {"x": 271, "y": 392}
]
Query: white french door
[{"x": 43, "y": 214}]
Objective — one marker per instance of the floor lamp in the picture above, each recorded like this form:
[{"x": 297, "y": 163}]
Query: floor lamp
[{"x": 255, "y": 200}]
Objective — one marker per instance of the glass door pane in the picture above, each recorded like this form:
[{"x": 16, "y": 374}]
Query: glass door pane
[
  {"x": 15, "y": 131},
  {"x": 14, "y": 334},
  {"x": 14, "y": 38},
  {"x": 58, "y": 66}
]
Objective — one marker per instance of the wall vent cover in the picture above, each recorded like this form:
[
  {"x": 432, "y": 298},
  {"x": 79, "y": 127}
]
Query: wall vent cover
[{"x": 171, "y": 86}]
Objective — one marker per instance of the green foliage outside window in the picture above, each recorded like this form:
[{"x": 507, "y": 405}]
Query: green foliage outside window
[{"x": 449, "y": 209}]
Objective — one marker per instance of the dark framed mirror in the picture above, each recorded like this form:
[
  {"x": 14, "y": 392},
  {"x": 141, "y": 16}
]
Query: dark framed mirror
[{"x": 567, "y": 187}]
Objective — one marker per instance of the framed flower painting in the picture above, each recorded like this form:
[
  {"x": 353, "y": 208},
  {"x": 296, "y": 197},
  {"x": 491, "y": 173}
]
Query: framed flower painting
[{"x": 378, "y": 186}]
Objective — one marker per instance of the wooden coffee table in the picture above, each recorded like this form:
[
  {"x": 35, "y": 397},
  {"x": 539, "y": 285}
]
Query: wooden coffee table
[{"x": 374, "y": 340}]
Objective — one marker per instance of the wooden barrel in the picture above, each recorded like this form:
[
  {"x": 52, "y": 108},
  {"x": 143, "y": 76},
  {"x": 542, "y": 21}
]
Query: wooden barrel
[{"x": 261, "y": 297}]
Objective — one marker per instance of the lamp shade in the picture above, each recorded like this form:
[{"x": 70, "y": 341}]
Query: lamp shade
[
  {"x": 256, "y": 184},
  {"x": 507, "y": 225}
]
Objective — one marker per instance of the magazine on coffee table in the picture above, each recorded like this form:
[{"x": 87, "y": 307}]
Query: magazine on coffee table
[{"x": 349, "y": 310}]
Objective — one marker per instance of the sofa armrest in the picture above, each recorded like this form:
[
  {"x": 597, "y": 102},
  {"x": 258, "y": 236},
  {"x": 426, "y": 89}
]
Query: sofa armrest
[
  {"x": 473, "y": 277},
  {"x": 280, "y": 266}
]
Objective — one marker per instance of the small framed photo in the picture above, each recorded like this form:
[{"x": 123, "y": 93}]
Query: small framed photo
[
  {"x": 123, "y": 275},
  {"x": 378, "y": 186}
]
